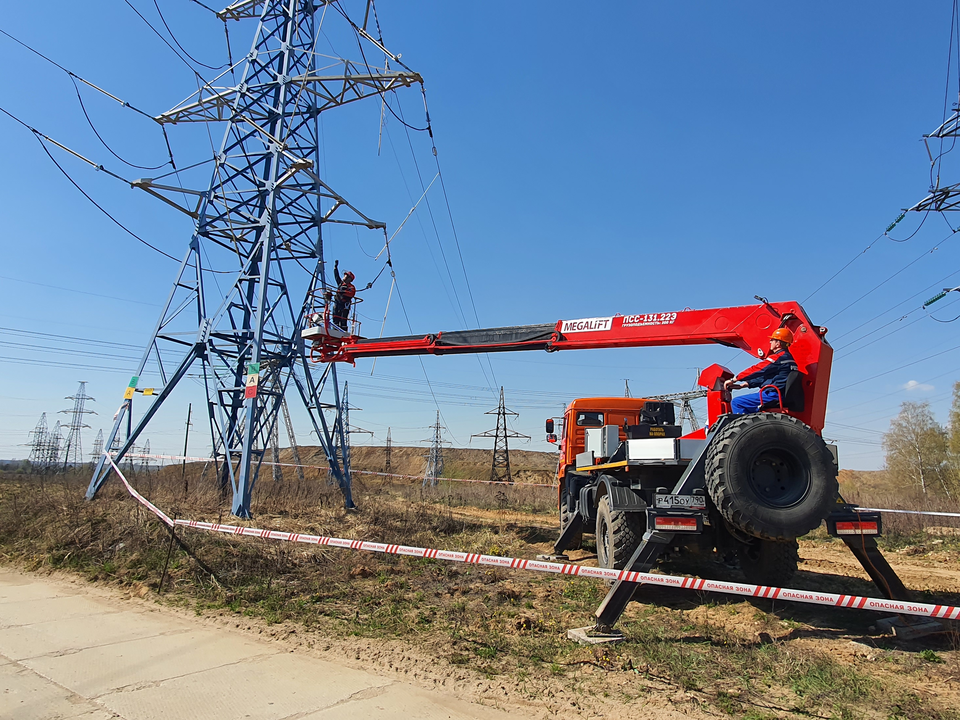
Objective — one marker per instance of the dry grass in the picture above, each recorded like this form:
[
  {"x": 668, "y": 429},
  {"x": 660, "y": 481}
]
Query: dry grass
[{"x": 732, "y": 658}]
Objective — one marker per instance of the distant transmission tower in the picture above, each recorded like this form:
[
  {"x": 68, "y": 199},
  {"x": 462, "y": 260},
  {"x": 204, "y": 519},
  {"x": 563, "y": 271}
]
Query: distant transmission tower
[
  {"x": 275, "y": 453},
  {"x": 52, "y": 449},
  {"x": 261, "y": 219},
  {"x": 146, "y": 460},
  {"x": 388, "y": 451},
  {"x": 291, "y": 436},
  {"x": 500, "y": 469},
  {"x": 73, "y": 452},
  {"x": 341, "y": 436},
  {"x": 41, "y": 439},
  {"x": 434, "y": 469},
  {"x": 682, "y": 400},
  {"x": 97, "y": 447}
]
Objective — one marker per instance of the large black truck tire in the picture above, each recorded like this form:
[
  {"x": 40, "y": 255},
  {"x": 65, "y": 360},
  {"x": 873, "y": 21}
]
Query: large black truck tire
[
  {"x": 618, "y": 534},
  {"x": 769, "y": 562},
  {"x": 566, "y": 515},
  {"x": 771, "y": 476}
]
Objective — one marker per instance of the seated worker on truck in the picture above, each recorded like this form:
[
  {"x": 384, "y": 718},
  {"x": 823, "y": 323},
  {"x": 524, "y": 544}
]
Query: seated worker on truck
[{"x": 772, "y": 370}]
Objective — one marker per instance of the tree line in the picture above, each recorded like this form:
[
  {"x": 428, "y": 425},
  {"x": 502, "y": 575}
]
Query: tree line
[{"x": 923, "y": 454}]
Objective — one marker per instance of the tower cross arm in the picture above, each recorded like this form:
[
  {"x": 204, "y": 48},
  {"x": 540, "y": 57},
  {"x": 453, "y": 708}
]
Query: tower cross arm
[
  {"x": 950, "y": 128},
  {"x": 241, "y": 10},
  {"x": 939, "y": 200},
  {"x": 216, "y": 104}
]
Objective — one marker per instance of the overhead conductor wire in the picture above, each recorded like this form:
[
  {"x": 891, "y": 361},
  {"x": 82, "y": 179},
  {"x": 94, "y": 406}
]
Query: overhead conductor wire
[
  {"x": 429, "y": 129},
  {"x": 74, "y": 78},
  {"x": 41, "y": 137}
]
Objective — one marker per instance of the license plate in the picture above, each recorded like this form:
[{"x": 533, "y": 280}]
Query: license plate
[{"x": 694, "y": 502}]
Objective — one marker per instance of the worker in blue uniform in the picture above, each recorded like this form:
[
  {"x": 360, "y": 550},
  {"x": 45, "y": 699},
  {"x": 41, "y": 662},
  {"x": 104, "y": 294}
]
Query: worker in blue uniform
[{"x": 772, "y": 370}]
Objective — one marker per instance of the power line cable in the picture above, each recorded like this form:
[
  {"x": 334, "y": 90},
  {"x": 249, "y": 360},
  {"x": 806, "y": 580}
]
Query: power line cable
[
  {"x": 205, "y": 7},
  {"x": 884, "y": 282},
  {"x": 104, "y": 142},
  {"x": 100, "y": 207},
  {"x": 177, "y": 42},
  {"x": 938, "y": 283},
  {"x": 443, "y": 255},
  {"x": 79, "y": 292},
  {"x": 423, "y": 367},
  {"x": 860, "y": 254},
  {"x": 57, "y": 336},
  {"x": 74, "y": 77},
  {"x": 851, "y": 261},
  {"x": 40, "y": 137},
  {"x": 901, "y": 367},
  {"x": 936, "y": 164},
  {"x": 165, "y": 42},
  {"x": 72, "y": 74}
]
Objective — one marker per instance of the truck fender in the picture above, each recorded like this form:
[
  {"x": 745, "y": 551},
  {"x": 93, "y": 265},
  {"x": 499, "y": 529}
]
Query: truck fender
[
  {"x": 622, "y": 499},
  {"x": 588, "y": 502}
]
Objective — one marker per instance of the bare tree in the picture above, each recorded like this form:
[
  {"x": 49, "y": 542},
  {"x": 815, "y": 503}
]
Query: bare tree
[
  {"x": 954, "y": 436},
  {"x": 916, "y": 450}
]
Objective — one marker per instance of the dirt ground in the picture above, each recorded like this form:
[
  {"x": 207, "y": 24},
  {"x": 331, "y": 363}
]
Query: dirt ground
[
  {"x": 497, "y": 636},
  {"x": 604, "y": 686}
]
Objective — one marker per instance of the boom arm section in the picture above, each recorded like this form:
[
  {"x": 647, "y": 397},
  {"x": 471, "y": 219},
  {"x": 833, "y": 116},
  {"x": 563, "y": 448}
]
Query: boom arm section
[{"x": 747, "y": 327}]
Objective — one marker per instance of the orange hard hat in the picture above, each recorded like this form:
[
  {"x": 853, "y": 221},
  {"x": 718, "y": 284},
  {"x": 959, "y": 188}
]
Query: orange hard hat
[{"x": 783, "y": 335}]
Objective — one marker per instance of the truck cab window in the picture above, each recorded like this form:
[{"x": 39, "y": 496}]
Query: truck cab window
[{"x": 590, "y": 419}]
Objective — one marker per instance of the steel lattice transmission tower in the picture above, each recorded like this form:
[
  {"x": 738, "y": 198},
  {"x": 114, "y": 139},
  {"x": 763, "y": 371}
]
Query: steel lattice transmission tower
[
  {"x": 434, "y": 468},
  {"x": 73, "y": 452},
  {"x": 261, "y": 218},
  {"x": 44, "y": 446},
  {"x": 682, "y": 400},
  {"x": 341, "y": 436},
  {"x": 342, "y": 451},
  {"x": 388, "y": 451},
  {"x": 939, "y": 199},
  {"x": 97, "y": 447},
  {"x": 500, "y": 469}
]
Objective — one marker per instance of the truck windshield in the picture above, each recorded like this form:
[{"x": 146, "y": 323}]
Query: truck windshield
[{"x": 590, "y": 419}]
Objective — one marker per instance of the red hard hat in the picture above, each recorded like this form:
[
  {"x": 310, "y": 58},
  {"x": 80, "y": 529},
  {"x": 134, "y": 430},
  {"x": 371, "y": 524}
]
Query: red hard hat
[
  {"x": 348, "y": 275},
  {"x": 783, "y": 335}
]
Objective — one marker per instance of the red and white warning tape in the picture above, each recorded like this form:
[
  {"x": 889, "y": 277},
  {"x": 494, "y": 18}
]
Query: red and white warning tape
[
  {"x": 930, "y": 513},
  {"x": 143, "y": 456},
  {"x": 772, "y": 593}
]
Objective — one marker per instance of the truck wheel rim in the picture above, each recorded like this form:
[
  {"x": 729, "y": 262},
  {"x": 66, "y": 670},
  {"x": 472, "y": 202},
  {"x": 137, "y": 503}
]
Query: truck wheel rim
[
  {"x": 603, "y": 544},
  {"x": 778, "y": 477}
]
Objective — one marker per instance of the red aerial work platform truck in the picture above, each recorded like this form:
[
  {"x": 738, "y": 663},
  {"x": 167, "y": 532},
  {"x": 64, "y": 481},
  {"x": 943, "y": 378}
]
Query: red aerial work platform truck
[{"x": 745, "y": 485}]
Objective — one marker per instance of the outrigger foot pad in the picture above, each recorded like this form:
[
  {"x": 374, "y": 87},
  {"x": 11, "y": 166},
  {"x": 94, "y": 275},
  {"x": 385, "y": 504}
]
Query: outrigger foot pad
[
  {"x": 595, "y": 635},
  {"x": 909, "y": 628}
]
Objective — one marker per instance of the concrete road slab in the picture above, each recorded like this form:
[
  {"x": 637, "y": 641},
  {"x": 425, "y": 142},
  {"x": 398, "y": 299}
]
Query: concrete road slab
[
  {"x": 26, "y": 612},
  {"x": 63, "y": 636},
  {"x": 403, "y": 702},
  {"x": 265, "y": 688},
  {"x": 27, "y": 696},
  {"x": 15, "y": 587},
  {"x": 96, "y": 657},
  {"x": 98, "y": 670}
]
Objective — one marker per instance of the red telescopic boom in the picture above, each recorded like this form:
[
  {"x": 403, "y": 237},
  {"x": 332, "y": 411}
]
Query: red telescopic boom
[{"x": 747, "y": 327}]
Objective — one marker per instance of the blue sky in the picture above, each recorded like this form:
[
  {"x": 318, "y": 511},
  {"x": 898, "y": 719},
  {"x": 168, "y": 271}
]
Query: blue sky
[{"x": 642, "y": 157}]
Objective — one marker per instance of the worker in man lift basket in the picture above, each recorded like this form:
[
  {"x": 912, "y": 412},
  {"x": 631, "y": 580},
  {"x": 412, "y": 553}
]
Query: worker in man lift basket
[
  {"x": 343, "y": 297},
  {"x": 772, "y": 370}
]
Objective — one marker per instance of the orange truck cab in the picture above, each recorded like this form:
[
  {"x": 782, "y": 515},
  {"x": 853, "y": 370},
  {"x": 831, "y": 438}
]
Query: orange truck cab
[{"x": 586, "y": 413}]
